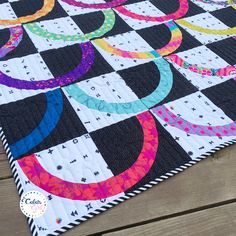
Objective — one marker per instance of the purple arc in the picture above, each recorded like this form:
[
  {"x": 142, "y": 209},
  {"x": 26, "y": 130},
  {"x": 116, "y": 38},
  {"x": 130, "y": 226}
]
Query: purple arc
[
  {"x": 202, "y": 130},
  {"x": 16, "y": 35},
  {"x": 68, "y": 78}
]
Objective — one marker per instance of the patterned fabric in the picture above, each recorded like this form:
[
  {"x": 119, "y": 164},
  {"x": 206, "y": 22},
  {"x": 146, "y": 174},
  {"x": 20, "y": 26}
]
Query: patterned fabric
[{"x": 102, "y": 99}]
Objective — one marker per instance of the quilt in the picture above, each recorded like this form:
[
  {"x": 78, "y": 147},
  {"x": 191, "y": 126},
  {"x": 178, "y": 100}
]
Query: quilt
[{"x": 103, "y": 99}]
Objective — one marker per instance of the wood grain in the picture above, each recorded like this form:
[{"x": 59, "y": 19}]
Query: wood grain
[
  {"x": 209, "y": 182},
  {"x": 5, "y": 171},
  {"x": 1, "y": 148},
  {"x": 215, "y": 222},
  {"x": 2, "y": 151},
  {"x": 13, "y": 222}
]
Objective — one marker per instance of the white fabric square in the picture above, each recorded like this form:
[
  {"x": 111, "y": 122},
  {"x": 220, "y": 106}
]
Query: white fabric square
[
  {"x": 29, "y": 68},
  {"x": 73, "y": 10},
  {"x": 75, "y": 161},
  {"x": 6, "y": 13},
  {"x": 204, "y": 57},
  {"x": 208, "y": 6},
  {"x": 130, "y": 41},
  {"x": 145, "y": 8},
  {"x": 208, "y": 21},
  {"x": 196, "y": 109},
  {"x": 64, "y": 26},
  {"x": 109, "y": 87}
]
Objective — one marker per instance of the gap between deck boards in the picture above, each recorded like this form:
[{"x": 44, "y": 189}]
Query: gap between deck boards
[{"x": 217, "y": 221}]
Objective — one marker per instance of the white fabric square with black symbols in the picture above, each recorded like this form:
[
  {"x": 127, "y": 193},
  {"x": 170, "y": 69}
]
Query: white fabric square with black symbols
[
  {"x": 52, "y": 34},
  {"x": 110, "y": 88},
  {"x": 145, "y": 8},
  {"x": 127, "y": 42},
  {"x": 75, "y": 161},
  {"x": 76, "y": 10},
  {"x": 200, "y": 57},
  {"x": 6, "y": 13},
  {"x": 30, "y": 68},
  {"x": 209, "y": 5},
  {"x": 208, "y": 22},
  {"x": 193, "y": 116}
]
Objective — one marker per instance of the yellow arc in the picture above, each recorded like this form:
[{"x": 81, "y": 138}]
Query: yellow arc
[
  {"x": 228, "y": 31},
  {"x": 232, "y": 4},
  {"x": 47, "y": 7}
]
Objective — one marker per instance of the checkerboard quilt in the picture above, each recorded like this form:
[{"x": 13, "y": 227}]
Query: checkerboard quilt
[{"x": 102, "y": 99}]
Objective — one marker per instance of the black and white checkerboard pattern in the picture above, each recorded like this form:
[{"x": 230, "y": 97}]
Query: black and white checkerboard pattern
[{"x": 114, "y": 139}]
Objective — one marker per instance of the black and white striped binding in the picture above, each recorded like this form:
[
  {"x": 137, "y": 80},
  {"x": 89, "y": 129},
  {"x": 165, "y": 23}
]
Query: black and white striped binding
[{"x": 90, "y": 215}]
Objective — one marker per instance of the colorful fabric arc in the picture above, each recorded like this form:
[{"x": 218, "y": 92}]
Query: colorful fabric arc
[
  {"x": 69, "y": 77},
  {"x": 106, "y": 27},
  {"x": 108, "y": 187},
  {"x": 16, "y": 34},
  {"x": 102, "y": 99},
  {"x": 183, "y": 8}
]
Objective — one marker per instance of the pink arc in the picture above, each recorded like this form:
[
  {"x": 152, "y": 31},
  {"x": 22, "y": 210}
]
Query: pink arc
[
  {"x": 202, "y": 130},
  {"x": 105, "y": 5},
  {"x": 106, "y": 188},
  {"x": 226, "y": 71},
  {"x": 183, "y": 9}
]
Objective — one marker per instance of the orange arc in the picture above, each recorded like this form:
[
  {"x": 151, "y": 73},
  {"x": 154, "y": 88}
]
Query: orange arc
[{"x": 47, "y": 7}]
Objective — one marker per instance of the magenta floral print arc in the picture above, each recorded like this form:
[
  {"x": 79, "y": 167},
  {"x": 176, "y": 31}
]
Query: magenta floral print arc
[
  {"x": 103, "y": 189},
  {"x": 103, "y": 99}
]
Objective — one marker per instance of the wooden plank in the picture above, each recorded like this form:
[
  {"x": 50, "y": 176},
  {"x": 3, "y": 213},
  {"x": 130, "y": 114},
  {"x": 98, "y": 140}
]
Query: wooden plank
[
  {"x": 1, "y": 148},
  {"x": 2, "y": 152},
  {"x": 5, "y": 171},
  {"x": 216, "y": 221},
  {"x": 209, "y": 182},
  {"x": 14, "y": 222}
]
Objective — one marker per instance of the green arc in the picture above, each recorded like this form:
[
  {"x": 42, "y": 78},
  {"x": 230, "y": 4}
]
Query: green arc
[{"x": 107, "y": 25}]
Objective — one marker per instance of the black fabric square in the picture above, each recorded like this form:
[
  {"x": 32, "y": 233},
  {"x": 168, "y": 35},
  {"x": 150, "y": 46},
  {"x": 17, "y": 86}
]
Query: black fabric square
[
  {"x": 181, "y": 87},
  {"x": 4, "y": 1},
  {"x": 226, "y": 49},
  {"x": 159, "y": 36},
  {"x": 93, "y": 21},
  {"x": 99, "y": 67},
  {"x": 188, "y": 41},
  {"x": 156, "y": 36},
  {"x": 144, "y": 79},
  {"x": 20, "y": 118},
  {"x": 226, "y": 15},
  {"x": 223, "y": 95},
  {"x": 172, "y": 6},
  {"x": 120, "y": 145},
  {"x": 170, "y": 155},
  {"x": 29, "y": 7},
  {"x": 61, "y": 61},
  {"x": 25, "y": 47}
]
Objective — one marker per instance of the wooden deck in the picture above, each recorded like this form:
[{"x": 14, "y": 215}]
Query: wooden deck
[{"x": 199, "y": 201}]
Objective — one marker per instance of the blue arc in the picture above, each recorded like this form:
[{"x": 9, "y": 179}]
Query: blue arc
[
  {"x": 140, "y": 105},
  {"x": 45, "y": 127}
]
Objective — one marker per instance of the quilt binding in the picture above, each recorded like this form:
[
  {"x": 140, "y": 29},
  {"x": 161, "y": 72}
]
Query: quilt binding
[{"x": 113, "y": 203}]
